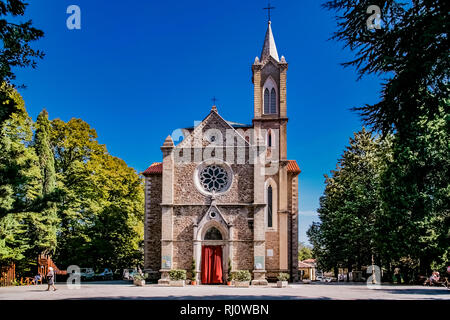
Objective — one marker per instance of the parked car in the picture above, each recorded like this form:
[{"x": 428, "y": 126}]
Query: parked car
[
  {"x": 325, "y": 279},
  {"x": 107, "y": 274},
  {"x": 128, "y": 274},
  {"x": 87, "y": 274}
]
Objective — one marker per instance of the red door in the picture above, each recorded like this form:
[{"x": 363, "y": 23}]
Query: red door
[{"x": 211, "y": 264}]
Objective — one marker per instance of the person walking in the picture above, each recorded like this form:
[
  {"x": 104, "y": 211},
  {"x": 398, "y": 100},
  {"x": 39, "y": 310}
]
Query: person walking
[{"x": 50, "y": 279}]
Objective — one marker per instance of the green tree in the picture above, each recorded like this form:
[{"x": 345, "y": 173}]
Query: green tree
[
  {"x": 74, "y": 143},
  {"x": 415, "y": 220},
  {"x": 117, "y": 232},
  {"x": 43, "y": 224},
  {"x": 304, "y": 252},
  {"x": 411, "y": 49},
  {"x": 345, "y": 236},
  {"x": 19, "y": 179},
  {"x": 101, "y": 200},
  {"x": 16, "y": 39}
]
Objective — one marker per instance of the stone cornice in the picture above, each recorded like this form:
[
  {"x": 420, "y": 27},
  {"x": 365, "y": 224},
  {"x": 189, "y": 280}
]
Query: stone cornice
[
  {"x": 208, "y": 205},
  {"x": 262, "y": 119},
  {"x": 222, "y": 241}
]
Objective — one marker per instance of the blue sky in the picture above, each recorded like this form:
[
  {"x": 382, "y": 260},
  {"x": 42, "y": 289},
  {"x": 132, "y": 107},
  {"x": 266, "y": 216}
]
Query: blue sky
[{"x": 138, "y": 70}]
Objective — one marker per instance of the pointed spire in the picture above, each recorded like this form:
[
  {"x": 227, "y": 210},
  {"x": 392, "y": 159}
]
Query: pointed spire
[
  {"x": 214, "y": 108},
  {"x": 168, "y": 143},
  {"x": 269, "y": 48}
]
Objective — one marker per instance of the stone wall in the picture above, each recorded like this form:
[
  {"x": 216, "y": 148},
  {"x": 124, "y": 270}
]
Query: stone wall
[
  {"x": 272, "y": 242},
  {"x": 186, "y": 216},
  {"x": 293, "y": 227},
  {"x": 186, "y": 192},
  {"x": 243, "y": 255},
  {"x": 152, "y": 243}
]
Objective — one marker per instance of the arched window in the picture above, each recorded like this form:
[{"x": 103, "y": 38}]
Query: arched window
[
  {"x": 266, "y": 101},
  {"x": 270, "y": 98},
  {"x": 213, "y": 234},
  {"x": 273, "y": 101},
  {"x": 269, "y": 206}
]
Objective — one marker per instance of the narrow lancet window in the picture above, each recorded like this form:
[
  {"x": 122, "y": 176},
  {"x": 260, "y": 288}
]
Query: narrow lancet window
[
  {"x": 273, "y": 101},
  {"x": 269, "y": 206},
  {"x": 266, "y": 101},
  {"x": 269, "y": 139}
]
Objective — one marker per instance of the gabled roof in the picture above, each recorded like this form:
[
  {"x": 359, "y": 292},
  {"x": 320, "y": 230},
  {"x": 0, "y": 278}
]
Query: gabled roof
[
  {"x": 292, "y": 167},
  {"x": 269, "y": 47},
  {"x": 231, "y": 123},
  {"x": 197, "y": 130},
  {"x": 155, "y": 168}
]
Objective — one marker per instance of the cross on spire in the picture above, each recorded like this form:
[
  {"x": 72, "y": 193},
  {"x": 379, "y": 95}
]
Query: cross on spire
[
  {"x": 268, "y": 9},
  {"x": 214, "y": 100}
]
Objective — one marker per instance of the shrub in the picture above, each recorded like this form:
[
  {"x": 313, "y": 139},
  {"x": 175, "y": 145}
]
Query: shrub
[
  {"x": 140, "y": 276},
  {"x": 193, "y": 271},
  {"x": 176, "y": 275},
  {"x": 283, "y": 276},
  {"x": 242, "y": 275},
  {"x": 230, "y": 274}
]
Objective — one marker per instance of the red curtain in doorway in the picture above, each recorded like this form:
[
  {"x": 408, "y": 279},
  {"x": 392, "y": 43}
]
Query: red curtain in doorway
[{"x": 211, "y": 264}]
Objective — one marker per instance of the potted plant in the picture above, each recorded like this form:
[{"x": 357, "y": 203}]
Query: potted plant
[
  {"x": 230, "y": 274},
  {"x": 193, "y": 273},
  {"x": 177, "y": 278},
  {"x": 139, "y": 279},
  {"x": 242, "y": 278},
  {"x": 282, "y": 280}
]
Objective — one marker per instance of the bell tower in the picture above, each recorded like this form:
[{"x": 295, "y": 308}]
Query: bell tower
[
  {"x": 269, "y": 81},
  {"x": 270, "y": 122}
]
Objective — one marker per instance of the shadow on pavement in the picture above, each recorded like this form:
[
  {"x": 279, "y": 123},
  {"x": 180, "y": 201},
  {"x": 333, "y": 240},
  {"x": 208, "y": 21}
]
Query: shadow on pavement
[
  {"x": 427, "y": 292},
  {"x": 216, "y": 297}
]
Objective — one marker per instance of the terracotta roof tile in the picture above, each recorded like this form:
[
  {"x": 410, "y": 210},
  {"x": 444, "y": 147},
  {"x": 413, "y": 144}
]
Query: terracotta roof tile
[
  {"x": 293, "y": 167},
  {"x": 155, "y": 168},
  {"x": 305, "y": 265}
]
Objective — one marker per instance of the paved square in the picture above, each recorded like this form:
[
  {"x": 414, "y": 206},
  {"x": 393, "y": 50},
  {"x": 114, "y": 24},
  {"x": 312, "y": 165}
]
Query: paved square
[{"x": 317, "y": 291}]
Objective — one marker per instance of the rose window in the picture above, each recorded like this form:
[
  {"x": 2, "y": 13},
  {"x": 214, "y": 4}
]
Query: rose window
[{"x": 214, "y": 178}]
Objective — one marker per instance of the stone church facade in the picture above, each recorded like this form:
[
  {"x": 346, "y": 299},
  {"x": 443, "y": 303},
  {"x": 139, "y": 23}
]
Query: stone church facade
[{"x": 227, "y": 194}]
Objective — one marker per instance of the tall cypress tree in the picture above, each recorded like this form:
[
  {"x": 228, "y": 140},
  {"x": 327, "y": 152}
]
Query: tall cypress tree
[
  {"x": 45, "y": 220},
  {"x": 45, "y": 153}
]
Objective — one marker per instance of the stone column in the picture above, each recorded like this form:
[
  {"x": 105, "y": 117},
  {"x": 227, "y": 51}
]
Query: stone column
[
  {"x": 283, "y": 212},
  {"x": 230, "y": 248},
  {"x": 283, "y": 93},
  {"x": 146, "y": 218},
  {"x": 259, "y": 232},
  {"x": 197, "y": 251},
  {"x": 167, "y": 211},
  {"x": 257, "y": 91}
]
